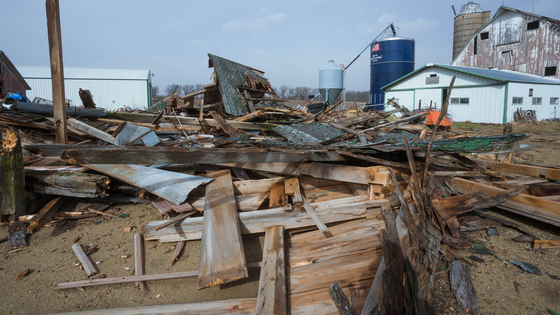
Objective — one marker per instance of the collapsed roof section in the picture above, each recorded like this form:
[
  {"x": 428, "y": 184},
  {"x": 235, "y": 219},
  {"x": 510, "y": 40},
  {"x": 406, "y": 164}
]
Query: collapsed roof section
[{"x": 241, "y": 87}]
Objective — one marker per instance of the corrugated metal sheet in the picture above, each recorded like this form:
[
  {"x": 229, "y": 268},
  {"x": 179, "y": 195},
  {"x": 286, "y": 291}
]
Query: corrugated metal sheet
[
  {"x": 545, "y": 92},
  {"x": 174, "y": 187},
  {"x": 86, "y": 73},
  {"x": 108, "y": 94}
]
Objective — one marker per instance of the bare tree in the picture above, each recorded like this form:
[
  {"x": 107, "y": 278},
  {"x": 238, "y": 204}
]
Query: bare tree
[
  {"x": 301, "y": 92},
  {"x": 173, "y": 88},
  {"x": 188, "y": 89},
  {"x": 199, "y": 87},
  {"x": 155, "y": 91},
  {"x": 283, "y": 91}
]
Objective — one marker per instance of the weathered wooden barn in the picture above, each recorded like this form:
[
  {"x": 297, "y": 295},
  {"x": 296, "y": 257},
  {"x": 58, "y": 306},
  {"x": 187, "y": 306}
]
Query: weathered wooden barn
[
  {"x": 478, "y": 95},
  {"x": 515, "y": 40},
  {"x": 11, "y": 80}
]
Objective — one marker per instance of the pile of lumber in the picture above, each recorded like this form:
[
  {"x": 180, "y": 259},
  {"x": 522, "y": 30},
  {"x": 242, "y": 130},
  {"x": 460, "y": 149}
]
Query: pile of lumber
[{"x": 366, "y": 200}]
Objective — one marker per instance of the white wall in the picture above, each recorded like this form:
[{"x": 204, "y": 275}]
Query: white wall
[
  {"x": 108, "y": 94},
  {"x": 486, "y": 104},
  {"x": 546, "y": 91}
]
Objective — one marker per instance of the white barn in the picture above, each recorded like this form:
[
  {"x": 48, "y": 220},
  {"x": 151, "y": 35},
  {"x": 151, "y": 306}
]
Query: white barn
[
  {"x": 478, "y": 95},
  {"x": 111, "y": 88}
]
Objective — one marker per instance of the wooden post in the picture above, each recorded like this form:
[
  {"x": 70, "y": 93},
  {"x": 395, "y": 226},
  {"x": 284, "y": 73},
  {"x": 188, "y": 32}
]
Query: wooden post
[
  {"x": 13, "y": 181},
  {"x": 139, "y": 259},
  {"x": 57, "y": 71}
]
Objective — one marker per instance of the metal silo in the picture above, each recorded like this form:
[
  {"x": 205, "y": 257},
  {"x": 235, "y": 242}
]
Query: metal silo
[
  {"x": 391, "y": 59},
  {"x": 470, "y": 18},
  {"x": 331, "y": 82}
]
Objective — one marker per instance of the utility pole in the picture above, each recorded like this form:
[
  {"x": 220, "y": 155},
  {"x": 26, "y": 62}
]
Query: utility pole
[{"x": 57, "y": 71}]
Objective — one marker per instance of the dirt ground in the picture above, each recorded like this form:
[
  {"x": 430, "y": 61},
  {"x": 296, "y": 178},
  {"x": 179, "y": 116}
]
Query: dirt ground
[{"x": 50, "y": 259}]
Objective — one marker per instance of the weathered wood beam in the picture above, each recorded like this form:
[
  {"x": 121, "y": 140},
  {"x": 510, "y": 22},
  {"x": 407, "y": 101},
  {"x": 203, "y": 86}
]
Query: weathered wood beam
[
  {"x": 272, "y": 297},
  {"x": 257, "y": 221},
  {"x": 45, "y": 214},
  {"x": 82, "y": 185},
  {"x": 57, "y": 70},
  {"x": 171, "y": 155},
  {"x": 12, "y": 185},
  {"x": 89, "y": 268},
  {"x": 139, "y": 259},
  {"x": 460, "y": 278},
  {"x": 349, "y": 174},
  {"x": 148, "y": 118},
  {"x": 222, "y": 258},
  {"x": 523, "y": 204},
  {"x": 536, "y": 171},
  {"x": 129, "y": 279}
]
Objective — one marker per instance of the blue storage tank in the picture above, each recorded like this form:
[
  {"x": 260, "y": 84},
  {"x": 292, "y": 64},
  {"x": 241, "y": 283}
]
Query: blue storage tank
[{"x": 391, "y": 59}]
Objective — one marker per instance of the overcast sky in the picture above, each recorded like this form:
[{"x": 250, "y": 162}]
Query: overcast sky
[{"x": 291, "y": 40}]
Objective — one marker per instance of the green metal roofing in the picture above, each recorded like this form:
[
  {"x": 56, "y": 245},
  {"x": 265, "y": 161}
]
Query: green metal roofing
[{"x": 497, "y": 75}]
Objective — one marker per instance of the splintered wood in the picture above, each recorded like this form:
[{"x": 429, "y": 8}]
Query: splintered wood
[
  {"x": 222, "y": 258},
  {"x": 272, "y": 297}
]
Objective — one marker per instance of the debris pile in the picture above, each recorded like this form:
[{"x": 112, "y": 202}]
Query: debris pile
[{"x": 396, "y": 190}]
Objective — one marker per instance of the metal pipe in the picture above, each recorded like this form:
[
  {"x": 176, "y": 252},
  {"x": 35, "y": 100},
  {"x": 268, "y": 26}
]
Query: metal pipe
[{"x": 47, "y": 110}]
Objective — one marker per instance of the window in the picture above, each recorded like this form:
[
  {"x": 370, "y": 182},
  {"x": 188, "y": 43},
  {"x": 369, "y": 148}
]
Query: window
[
  {"x": 459, "y": 101},
  {"x": 475, "y": 44},
  {"x": 537, "y": 100},
  {"x": 432, "y": 79},
  {"x": 554, "y": 101},
  {"x": 549, "y": 71},
  {"x": 517, "y": 100},
  {"x": 533, "y": 25},
  {"x": 484, "y": 35},
  {"x": 530, "y": 92}
]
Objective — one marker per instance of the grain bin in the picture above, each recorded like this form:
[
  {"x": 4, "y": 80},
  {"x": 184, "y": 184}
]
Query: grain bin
[
  {"x": 331, "y": 82},
  {"x": 391, "y": 59}
]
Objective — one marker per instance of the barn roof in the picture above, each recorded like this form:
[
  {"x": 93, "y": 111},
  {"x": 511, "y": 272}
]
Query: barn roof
[{"x": 494, "y": 74}]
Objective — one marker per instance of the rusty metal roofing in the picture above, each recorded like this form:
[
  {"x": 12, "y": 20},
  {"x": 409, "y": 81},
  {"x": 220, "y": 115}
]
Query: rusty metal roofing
[
  {"x": 308, "y": 133},
  {"x": 172, "y": 186},
  {"x": 230, "y": 75}
]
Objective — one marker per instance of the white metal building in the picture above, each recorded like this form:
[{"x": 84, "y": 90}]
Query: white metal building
[
  {"x": 478, "y": 95},
  {"x": 111, "y": 89}
]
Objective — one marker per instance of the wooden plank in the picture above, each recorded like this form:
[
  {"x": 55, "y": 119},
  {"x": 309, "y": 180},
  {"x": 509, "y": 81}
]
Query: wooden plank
[
  {"x": 460, "y": 278},
  {"x": 94, "y": 132},
  {"x": 12, "y": 180},
  {"x": 72, "y": 184},
  {"x": 272, "y": 298},
  {"x": 139, "y": 259},
  {"x": 290, "y": 186},
  {"x": 277, "y": 196},
  {"x": 536, "y": 171},
  {"x": 534, "y": 207},
  {"x": 45, "y": 214},
  {"x": 129, "y": 279},
  {"x": 311, "y": 211},
  {"x": 257, "y": 221},
  {"x": 177, "y": 155},
  {"x": 89, "y": 268},
  {"x": 350, "y": 258},
  {"x": 222, "y": 258},
  {"x": 232, "y": 132},
  {"x": 243, "y": 202},
  {"x": 176, "y": 219},
  {"x": 245, "y": 306},
  {"x": 57, "y": 70},
  {"x": 348, "y": 174},
  {"x": 148, "y": 118}
]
